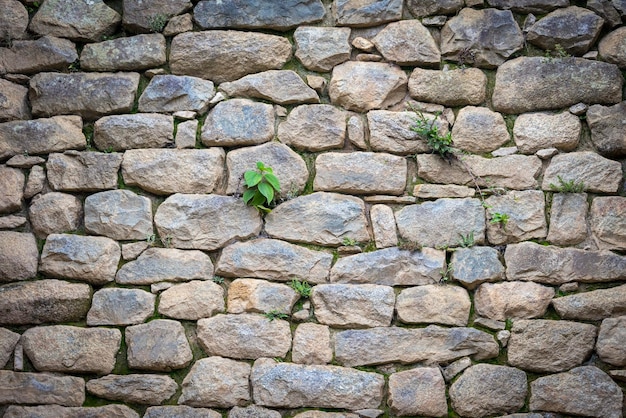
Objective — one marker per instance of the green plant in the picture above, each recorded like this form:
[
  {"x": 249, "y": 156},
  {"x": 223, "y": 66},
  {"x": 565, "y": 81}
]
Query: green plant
[
  {"x": 157, "y": 22},
  {"x": 262, "y": 186},
  {"x": 440, "y": 144},
  {"x": 274, "y": 314},
  {"x": 467, "y": 241},
  {"x": 570, "y": 186},
  {"x": 446, "y": 273},
  {"x": 74, "y": 67},
  {"x": 558, "y": 52},
  {"x": 408, "y": 245},
  {"x": 347, "y": 241},
  {"x": 151, "y": 239},
  {"x": 303, "y": 288},
  {"x": 499, "y": 218},
  {"x": 218, "y": 279}
]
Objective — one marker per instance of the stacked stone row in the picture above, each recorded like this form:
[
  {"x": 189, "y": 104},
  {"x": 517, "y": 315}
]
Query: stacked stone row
[{"x": 134, "y": 281}]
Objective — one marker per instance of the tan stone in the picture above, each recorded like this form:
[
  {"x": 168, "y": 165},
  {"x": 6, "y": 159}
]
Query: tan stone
[
  {"x": 36, "y": 182},
  {"x": 449, "y": 87},
  {"x": 40, "y": 388},
  {"x": 18, "y": 256},
  {"x": 159, "y": 345},
  {"x": 192, "y": 301},
  {"x": 134, "y": 388},
  {"x": 436, "y": 191},
  {"x": 611, "y": 47},
  {"x": 8, "y": 341},
  {"x": 114, "y": 306},
  {"x": 14, "y": 20},
  {"x": 12, "y": 184},
  {"x": 260, "y": 296},
  {"x": 139, "y": 130},
  {"x": 321, "y": 48},
  {"x": 419, "y": 391},
  {"x": 391, "y": 131},
  {"x": 446, "y": 305},
  {"x": 166, "y": 264},
  {"x": 611, "y": 345},
  {"x": 75, "y": 171},
  {"x": 43, "y": 54},
  {"x": 535, "y": 131},
  {"x": 130, "y": 53},
  {"x": 314, "y": 128},
  {"x": 190, "y": 93},
  {"x": 592, "y": 306},
  {"x": 144, "y": 17},
  {"x": 596, "y": 173},
  {"x": 512, "y": 300},
  {"x": 311, "y": 344},
  {"x": 279, "y": 86},
  {"x": 407, "y": 42},
  {"x": 54, "y": 212},
  {"x": 608, "y": 222},
  {"x": 13, "y": 100},
  {"x": 568, "y": 218},
  {"x": 479, "y": 130},
  {"x": 526, "y": 218},
  {"x": 383, "y": 226},
  {"x": 53, "y": 411},
  {"x": 238, "y": 122}
]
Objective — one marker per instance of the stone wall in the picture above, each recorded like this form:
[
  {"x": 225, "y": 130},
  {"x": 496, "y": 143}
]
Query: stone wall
[{"x": 388, "y": 280}]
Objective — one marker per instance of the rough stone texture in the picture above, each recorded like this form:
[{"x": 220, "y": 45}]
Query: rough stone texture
[
  {"x": 35, "y": 183},
  {"x": 586, "y": 391},
  {"x": 512, "y": 300},
  {"x": 479, "y": 130},
  {"x": 278, "y": 86},
  {"x": 389, "y": 131},
  {"x": 118, "y": 214},
  {"x": 227, "y": 55},
  {"x": 491, "y": 36},
  {"x": 44, "y": 54},
  {"x": 451, "y": 371},
  {"x": 18, "y": 256},
  {"x": 432, "y": 344},
  {"x": 449, "y": 217},
  {"x": 322, "y": 48},
  {"x": 186, "y": 133},
  {"x": 148, "y": 389},
  {"x": 592, "y": 306},
  {"x": 192, "y": 301},
  {"x": 360, "y": 173},
  {"x": 549, "y": 346},
  {"x": 312, "y": 344},
  {"x": 159, "y": 345},
  {"x": 390, "y": 266},
  {"x": 605, "y": 9},
  {"x": 573, "y": 28},
  {"x": 548, "y": 78},
  {"x": 216, "y": 382},
  {"x": 75, "y": 171},
  {"x": 608, "y": 222},
  {"x": 528, "y": 6},
  {"x": 314, "y": 128},
  {"x": 9, "y": 339},
  {"x": 63, "y": 348},
  {"x": 41, "y": 388},
  {"x": 244, "y": 336},
  {"x": 14, "y": 20},
  {"x": 330, "y": 218},
  {"x": 598, "y": 174},
  {"x": 253, "y": 411},
  {"x": 419, "y": 391},
  {"x": 407, "y": 42},
  {"x": 24, "y": 161},
  {"x": 180, "y": 411},
  {"x": 140, "y": 130},
  {"x": 90, "y": 259},
  {"x": 13, "y": 101},
  {"x": 351, "y": 86},
  {"x": 322, "y": 414},
  {"x": 292, "y": 386},
  {"x": 114, "y": 306},
  {"x": 611, "y": 345},
  {"x": 366, "y": 13},
  {"x": 607, "y": 128},
  {"x": 90, "y": 95},
  {"x": 273, "y": 260},
  {"x": 11, "y": 221},
  {"x": 53, "y": 411},
  {"x": 476, "y": 265},
  {"x": 383, "y": 226},
  {"x": 458, "y": 87},
  {"x": 54, "y": 212},
  {"x": 434, "y": 304},
  {"x": 238, "y": 122},
  {"x": 526, "y": 217},
  {"x": 80, "y": 20},
  {"x": 43, "y": 301},
  {"x": 487, "y": 389},
  {"x": 140, "y": 16},
  {"x": 260, "y": 296},
  {"x": 125, "y": 54},
  {"x": 535, "y": 131},
  {"x": 172, "y": 93},
  {"x": 41, "y": 136},
  {"x": 12, "y": 184},
  {"x": 611, "y": 47},
  {"x": 568, "y": 218},
  {"x": 421, "y": 8}
]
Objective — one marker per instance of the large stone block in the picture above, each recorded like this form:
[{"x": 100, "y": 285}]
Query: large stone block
[
  {"x": 318, "y": 127},
  {"x": 139, "y": 130},
  {"x": 13, "y": 100},
  {"x": 594, "y": 172},
  {"x": 143, "y": 17},
  {"x": 147, "y": 389},
  {"x": 114, "y": 306},
  {"x": 408, "y": 42},
  {"x": 360, "y": 13},
  {"x": 419, "y": 391},
  {"x": 54, "y": 411},
  {"x": 14, "y": 20},
  {"x": 119, "y": 214},
  {"x": 568, "y": 218},
  {"x": 608, "y": 222},
  {"x": 279, "y": 86},
  {"x": 9, "y": 340},
  {"x": 41, "y": 388},
  {"x": 238, "y": 122},
  {"x": 55, "y": 213},
  {"x": 391, "y": 131},
  {"x": 194, "y": 300},
  {"x": 131, "y": 53},
  {"x": 592, "y": 306},
  {"x": 19, "y": 256},
  {"x": 611, "y": 47},
  {"x": 526, "y": 218},
  {"x": 449, "y": 87},
  {"x": 260, "y": 296},
  {"x": 159, "y": 345},
  {"x": 322, "y": 48},
  {"x": 189, "y": 93},
  {"x": 540, "y": 130},
  {"x": 47, "y": 53},
  {"x": 611, "y": 344},
  {"x": 75, "y": 171},
  {"x": 12, "y": 182},
  {"x": 512, "y": 300},
  {"x": 434, "y": 304},
  {"x": 607, "y": 133},
  {"x": 475, "y": 265}
]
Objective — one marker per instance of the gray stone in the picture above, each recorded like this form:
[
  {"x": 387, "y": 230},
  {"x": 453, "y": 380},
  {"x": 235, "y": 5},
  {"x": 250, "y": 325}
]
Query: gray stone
[
  {"x": 288, "y": 385},
  {"x": 356, "y": 132},
  {"x": 419, "y": 391},
  {"x": 9, "y": 340},
  {"x": 488, "y": 389},
  {"x": 260, "y": 296},
  {"x": 526, "y": 217},
  {"x": 458, "y": 87},
  {"x": 608, "y": 222},
  {"x": 322, "y": 48},
  {"x": 14, "y": 20},
  {"x": 75, "y": 171},
  {"x": 620, "y": 6},
  {"x": 611, "y": 345},
  {"x": 512, "y": 300},
  {"x": 528, "y": 6},
  {"x": 322, "y": 414},
  {"x": 159, "y": 345},
  {"x": 592, "y": 306},
  {"x": 47, "y": 53},
  {"x": 383, "y": 226},
  {"x": 132, "y": 53},
  {"x": 24, "y": 161},
  {"x": 186, "y": 133},
  {"x": 12, "y": 184},
  {"x": 173, "y": 93},
  {"x": 41, "y": 388},
  {"x": 118, "y": 214},
  {"x": 535, "y": 131},
  {"x": 53, "y": 411},
  {"x": 13, "y": 101},
  {"x": 54, "y": 213},
  {"x": 434, "y": 304},
  {"x": 390, "y": 131},
  {"x": 607, "y": 129},
  {"x": 317, "y": 127},
  {"x": 166, "y": 264},
  {"x": 145, "y": 17},
  {"x": 114, "y": 306},
  {"x": 408, "y": 42},
  {"x": 63, "y": 348},
  {"x": 612, "y": 46},
  {"x": 252, "y": 411},
  {"x": 278, "y": 86},
  {"x": 556, "y": 83},
  {"x": 43, "y": 301},
  {"x": 451, "y": 371},
  {"x": 132, "y": 250},
  {"x": 312, "y": 344},
  {"x": 491, "y": 324},
  {"x": 180, "y": 411},
  {"x": 479, "y": 130},
  {"x": 140, "y": 130},
  {"x": 18, "y": 256},
  {"x": 584, "y": 391},
  {"x": 360, "y": 173},
  {"x": 12, "y": 221},
  {"x": 227, "y": 55},
  {"x": 596, "y": 173},
  {"x": 238, "y": 122},
  {"x": 192, "y": 301},
  {"x": 360, "y": 13},
  {"x": 437, "y": 191},
  {"x": 147, "y": 389},
  {"x": 421, "y": 8},
  {"x": 36, "y": 182},
  {"x": 89, "y": 259},
  {"x": 476, "y": 265}
]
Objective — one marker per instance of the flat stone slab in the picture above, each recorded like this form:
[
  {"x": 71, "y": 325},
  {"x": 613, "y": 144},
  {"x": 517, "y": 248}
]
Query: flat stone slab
[
  {"x": 147, "y": 389},
  {"x": 47, "y": 53},
  {"x": 512, "y": 300},
  {"x": 52, "y": 411},
  {"x": 312, "y": 344},
  {"x": 596, "y": 173},
  {"x": 171, "y": 411},
  {"x": 475, "y": 265},
  {"x": 434, "y": 304},
  {"x": 317, "y": 127},
  {"x": 75, "y": 171},
  {"x": 132, "y": 53},
  {"x": 173, "y": 93},
  {"x": 139, "y": 130},
  {"x": 419, "y": 391},
  {"x": 608, "y": 222},
  {"x": 528, "y": 6},
  {"x": 539, "y": 130},
  {"x": 40, "y": 388},
  {"x": 159, "y": 345},
  {"x": 238, "y": 122},
  {"x": 260, "y": 296},
  {"x": 279, "y": 86},
  {"x": 119, "y": 214},
  {"x": 366, "y": 13},
  {"x": 19, "y": 256},
  {"x": 592, "y": 306},
  {"x": 322, "y": 48},
  {"x": 458, "y": 87},
  {"x": 194, "y": 300},
  {"x": 115, "y": 306}
]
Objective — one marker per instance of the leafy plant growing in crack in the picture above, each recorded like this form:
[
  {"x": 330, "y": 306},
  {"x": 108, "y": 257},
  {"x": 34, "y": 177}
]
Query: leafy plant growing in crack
[
  {"x": 262, "y": 186},
  {"x": 303, "y": 288},
  {"x": 409, "y": 245},
  {"x": 274, "y": 314},
  {"x": 349, "y": 242},
  {"x": 157, "y": 22},
  {"x": 499, "y": 218},
  {"x": 446, "y": 273},
  {"x": 467, "y": 241},
  {"x": 567, "y": 186}
]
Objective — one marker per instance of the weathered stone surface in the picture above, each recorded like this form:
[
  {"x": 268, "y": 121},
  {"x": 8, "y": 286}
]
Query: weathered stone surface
[
  {"x": 43, "y": 301},
  {"x": 356, "y": 132},
  {"x": 260, "y": 296},
  {"x": 41, "y": 136},
  {"x": 41, "y": 388},
  {"x": 458, "y": 87},
  {"x": 360, "y": 173},
  {"x": 227, "y": 55},
  {"x": 54, "y": 212},
  {"x": 476, "y": 265},
  {"x": 75, "y": 171},
  {"x": 11, "y": 221},
  {"x": 186, "y": 133},
  {"x": 314, "y": 128},
  {"x": 535, "y": 131},
  {"x": 484, "y": 38},
  {"x": 132, "y": 53},
  {"x": 35, "y": 183},
  {"x": 554, "y": 265},
  {"x": 44, "y": 54},
  {"x": 322, "y": 48},
  {"x": 238, "y": 122},
  {"x": 24, "y": 161},
  {"x": 528, "y": 6},
  {"x": 180, "y": 411},
  {"x": 390, "y": 132},
  {"x": 140, "y": 130},
  {"x": 592, "y": 306},
  {"x": 288, "y": 385},
  {"x": 419, "y": 391},
  {"x": 353, "y": 306},
  {"x": 612, "y": 47},
  {"x": 13, "y": 101},
  {"x": 526, "y": 217},
  {"x": 63, "y": 348},
  {"x": 18, "y": 256},
  {"x": 12, "y": 184},
  {"x": 279, "y": 86},
  {"x": 449, "y": 217},
  {"x": 596, "y": 173},
  {"x": 14, "y": 20},
  {"x": 330, "y": 218},
  {"x": 433, "y": 344},
  {"x": 284, "y": 15},
  {"x": 421, "y": 8},
  {"x": 586, "y": 391},
  {"x": 383, "y": 226},
  {"x": 605, "y": 9},
  {"x": 390, "y": 266},
  {"x": 173, "y": 93},
  {"x": 167, "y": 171},
  {"x": 118, "y": 214},
  {"x": 611, "y": 345},
  {"x": 407, "y": 42},
  {"x": 608, "y": 222},
  {"x": 9, "y": 339},
  {"x": 140, "y": 16},
  {"x": 488, "y": 389},
  {"x": 556, "y": 83},
  {"x": 90, "y": 259},
  {"x": 434, "y": 304},
  {"x": 244, "y": 336},
  {"x": 322, "y": 414},
  {"x": 312, "y": 344},
  {"x": 607, "y": 128},
  {"x": 147, "y": 389},
  {"x": 192, "y": 301},
  {"x": 568, "y": 218},
  {"x": 366, "y": 13},
  {"x": 166, "y": 264},
  {"x": 53, "y": 411},
  {"x": 512, "y": 300},
  {"x": 159, "y": 345},
  {"x": 81, "y": 20},
  {"x": 114, "y": 306},
  {"x": 479, "y": 130},
  {"x": 216, "y": 382},
  {"x": 549, "y": 346},
  {"x": 573, "y": 28}
]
